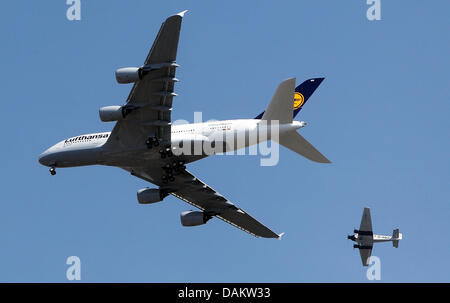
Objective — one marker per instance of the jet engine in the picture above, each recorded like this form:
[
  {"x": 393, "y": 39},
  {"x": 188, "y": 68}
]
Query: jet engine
[
  {"x": 115, "y": 112},
  {"x": 111, "y": 113},
  {"x": 129, "y": 74},
  {"x": 150, "y": 195},
  {"x": 194, "y": 218}
]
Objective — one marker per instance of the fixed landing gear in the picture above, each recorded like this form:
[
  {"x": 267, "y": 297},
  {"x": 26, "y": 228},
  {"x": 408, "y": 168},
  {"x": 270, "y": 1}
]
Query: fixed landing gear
[{"x": 52, "y": 171}]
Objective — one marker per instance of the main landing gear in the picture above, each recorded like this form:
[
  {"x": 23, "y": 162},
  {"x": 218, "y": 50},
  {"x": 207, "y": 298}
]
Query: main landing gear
[
  {"x": 166, "y": 152},
  {"x": 152, "y": 142},
  {"x": 176, "y": 167},
  {"x": 167, "y": 178},
  {"x": 52, "y": 171}
]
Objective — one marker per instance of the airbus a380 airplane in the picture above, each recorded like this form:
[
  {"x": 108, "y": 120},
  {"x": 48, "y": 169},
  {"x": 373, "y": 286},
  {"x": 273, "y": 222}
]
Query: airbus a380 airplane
[{"x": 144, "y": 141}]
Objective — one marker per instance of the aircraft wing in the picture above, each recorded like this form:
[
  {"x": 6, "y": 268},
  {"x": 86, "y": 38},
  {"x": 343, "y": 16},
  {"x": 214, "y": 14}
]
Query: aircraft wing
[
  {"x": 366, "y": 221},
  {"x": 365, "y": 252},
  {"x": 151, "y": 97},
  {"x": 190, "y": 189}
]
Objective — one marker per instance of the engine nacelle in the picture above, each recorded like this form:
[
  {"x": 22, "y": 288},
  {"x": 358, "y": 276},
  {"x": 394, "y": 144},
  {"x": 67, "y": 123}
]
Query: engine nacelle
[
  {"x": 150, "y": 195},
  {"x": 129, "y": 74},
  {"x": 193, "y": 218},
  {"x": 111, "y": 113}
]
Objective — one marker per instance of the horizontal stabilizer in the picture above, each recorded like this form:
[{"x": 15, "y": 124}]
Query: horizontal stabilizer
[
  {"x": 396, "y": 236},
  {"x": 295, "y": 142}
]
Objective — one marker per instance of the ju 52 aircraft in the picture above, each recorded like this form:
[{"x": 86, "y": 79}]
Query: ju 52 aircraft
[
  {"x": 143, "y": 141},
  {"x": 365, "y": 237}
]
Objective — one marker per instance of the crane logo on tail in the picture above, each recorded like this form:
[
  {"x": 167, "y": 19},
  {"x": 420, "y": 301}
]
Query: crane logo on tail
[{"x": 298, "y": 100}]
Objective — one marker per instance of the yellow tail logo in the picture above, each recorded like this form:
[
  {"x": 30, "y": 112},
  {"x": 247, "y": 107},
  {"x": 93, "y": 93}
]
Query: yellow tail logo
[{"x": 298, "y": 100}]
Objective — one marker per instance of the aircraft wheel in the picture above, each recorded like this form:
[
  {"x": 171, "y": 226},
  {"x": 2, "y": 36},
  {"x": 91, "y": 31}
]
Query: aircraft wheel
[{"x": 52, "y": 171}]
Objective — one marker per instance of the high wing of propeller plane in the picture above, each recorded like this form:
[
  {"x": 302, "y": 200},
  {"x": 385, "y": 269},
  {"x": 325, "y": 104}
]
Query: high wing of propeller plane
[{"x": 144, "y": 141}]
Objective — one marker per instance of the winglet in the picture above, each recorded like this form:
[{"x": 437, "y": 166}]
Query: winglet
[
  {"x": 280, "y": 235},
  {"x": 182, "y": 13}
]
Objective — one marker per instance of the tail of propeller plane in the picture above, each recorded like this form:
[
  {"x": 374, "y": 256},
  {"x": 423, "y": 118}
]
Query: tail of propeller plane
[{"x": 396, "y": 237}]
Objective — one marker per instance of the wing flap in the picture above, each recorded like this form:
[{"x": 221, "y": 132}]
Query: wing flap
[
  {"x": 192, "y": 190},
  {"x": 236, "y": 217},
  {"x": 154, "y": 93},
  {"x": 195, "y": 192},
  {"x": 245, "y": 222}
]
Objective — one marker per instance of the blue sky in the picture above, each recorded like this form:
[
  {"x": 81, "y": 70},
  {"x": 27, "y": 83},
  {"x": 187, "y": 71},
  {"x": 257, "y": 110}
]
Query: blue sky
[{"x": 381, "y": 116}]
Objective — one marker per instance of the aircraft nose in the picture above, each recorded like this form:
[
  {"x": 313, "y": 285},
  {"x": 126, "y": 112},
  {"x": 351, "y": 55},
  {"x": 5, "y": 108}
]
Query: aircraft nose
[{"x": 44, "y": 158}]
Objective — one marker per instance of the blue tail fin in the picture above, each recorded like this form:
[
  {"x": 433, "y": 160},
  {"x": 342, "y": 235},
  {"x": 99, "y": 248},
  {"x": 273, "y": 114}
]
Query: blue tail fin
[{"x": 302, "y": 94}]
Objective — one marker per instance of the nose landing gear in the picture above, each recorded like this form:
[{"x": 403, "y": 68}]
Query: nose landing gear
[{"x": 52, "y": 171}]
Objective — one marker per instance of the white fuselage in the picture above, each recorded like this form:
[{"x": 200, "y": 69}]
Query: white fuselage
[
  {"x": 366, "y": 239},
  {"x": 92, "y": 149}
]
